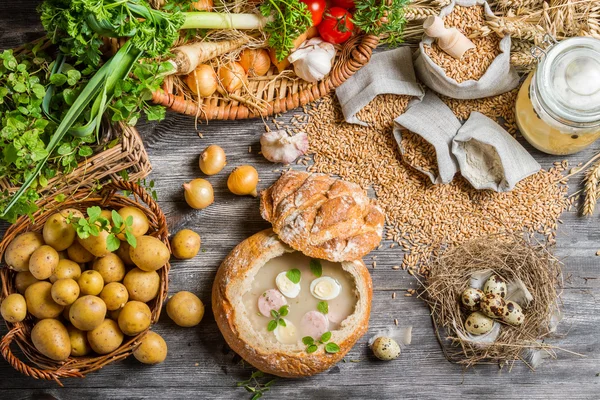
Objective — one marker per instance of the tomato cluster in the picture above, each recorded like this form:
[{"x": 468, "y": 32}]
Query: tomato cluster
[{"x": 334, "y": 23}]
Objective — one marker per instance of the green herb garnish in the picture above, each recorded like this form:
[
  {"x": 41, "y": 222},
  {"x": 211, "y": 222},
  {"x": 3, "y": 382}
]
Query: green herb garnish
[
  {"x": 278, "y": 318},
  {"x": 255, "y": 386},
  {"x": 312, "y": 345},
  {"x": 383, "y": 18},
  {"x": 288, "y": 20},
  {"x": 316, "y": 268},
  {"x": 323, "y": 307},
  {"x": 95, "y": 223},
  {"x": 294, "y": 275}
]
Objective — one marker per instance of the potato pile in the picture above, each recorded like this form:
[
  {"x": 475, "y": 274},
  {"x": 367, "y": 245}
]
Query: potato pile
[
  {"x": 85, "y": 298},
  {"x": 488, "y": 305}
]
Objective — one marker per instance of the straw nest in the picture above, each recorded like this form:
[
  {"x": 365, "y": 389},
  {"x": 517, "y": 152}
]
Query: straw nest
[{"x": 513, "y": 258}]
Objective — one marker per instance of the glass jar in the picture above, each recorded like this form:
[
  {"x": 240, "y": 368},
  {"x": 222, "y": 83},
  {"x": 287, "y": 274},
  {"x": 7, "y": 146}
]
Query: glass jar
[{"x": 558, "y": 106}]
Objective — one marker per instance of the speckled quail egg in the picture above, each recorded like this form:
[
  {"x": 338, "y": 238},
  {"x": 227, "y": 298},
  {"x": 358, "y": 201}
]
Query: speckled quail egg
[
  {"x": 513, "y": 314},
  {"x": 478, "y": 324},
  {"x": 385, "y": 348},
  {"x": 471, "y": 298},
  {"x": 495, "y": 284},
  {"x": 493, "y": 305}
]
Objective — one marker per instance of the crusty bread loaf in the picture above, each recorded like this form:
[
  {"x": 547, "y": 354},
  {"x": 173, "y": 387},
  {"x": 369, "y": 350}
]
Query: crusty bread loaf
[
  {"x": 323, "y": 217},
  {"x": 234, "y": 278}
]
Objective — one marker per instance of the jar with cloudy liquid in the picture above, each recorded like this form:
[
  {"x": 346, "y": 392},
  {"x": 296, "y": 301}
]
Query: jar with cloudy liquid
[{"x": 558, "y": 106}]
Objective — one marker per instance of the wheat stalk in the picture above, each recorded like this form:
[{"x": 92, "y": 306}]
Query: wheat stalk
[
  {"x": 419, "y": 13},
  {"x": 591, "y": 189}
]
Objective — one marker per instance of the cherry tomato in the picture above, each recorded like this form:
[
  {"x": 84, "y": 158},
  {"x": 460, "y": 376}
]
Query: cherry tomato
[
  {"x": 336, "y": 26},
  {"x": 316, "y": 8},
  {"x": 347, "y": 4}
]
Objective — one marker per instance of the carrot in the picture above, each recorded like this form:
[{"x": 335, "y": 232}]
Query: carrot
[
  {"x": 189, "y": 56},
  {"x": 283, "y": 64}
]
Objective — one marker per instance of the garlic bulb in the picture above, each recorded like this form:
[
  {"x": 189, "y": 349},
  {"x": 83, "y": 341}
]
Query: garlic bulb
[
  {"x": 278, "y": 146},
  {"x": 313, "y": 59}
]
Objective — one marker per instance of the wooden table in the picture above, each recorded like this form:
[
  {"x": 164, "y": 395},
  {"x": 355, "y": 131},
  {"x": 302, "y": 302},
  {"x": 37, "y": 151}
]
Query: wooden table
[{"x": 200, "y": 366}]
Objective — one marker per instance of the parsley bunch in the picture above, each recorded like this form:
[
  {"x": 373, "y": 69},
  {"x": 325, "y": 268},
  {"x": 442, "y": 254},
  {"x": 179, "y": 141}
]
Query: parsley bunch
[
  {"x": 289, "y": 19},
  {"x": 95, "y": 223}
]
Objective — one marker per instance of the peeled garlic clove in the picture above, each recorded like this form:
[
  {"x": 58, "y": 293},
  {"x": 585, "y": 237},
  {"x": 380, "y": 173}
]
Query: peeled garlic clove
[{"x": 278, "y": 146}]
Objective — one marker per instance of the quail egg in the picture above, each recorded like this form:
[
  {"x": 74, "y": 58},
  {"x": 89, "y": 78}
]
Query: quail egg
[
  {"x": 385, "y": 348},
  {"x": 495, "y": 284},
  {"x": 493, "y": 305},
  {"x": 513, "y": 314},
  {"x": 478, "y": 324},
  {"x": 325, "y": 288},
  {"x": 471, "y": 298}
]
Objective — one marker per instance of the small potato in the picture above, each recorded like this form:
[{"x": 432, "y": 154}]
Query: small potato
[
  {"x": 90, "y": 282},
  {"x": 106, "y": 337},
  {"x": 135, "y": 317},
  {"x": 152, "y": 349},
  {"x": 140, "y": 224},
  {"x": 185, "y": 309},
  {"x": 123, "y": 253},
  {"x": 79, "y": 342},
  {"x": 14, "y": 308},
  {"x": 21, "y": 248},
  {"x": 57, "y": 232},
  {"x": 40, "y": 303},
  {"x": 114, "y": 314},
  {"x": 142, "y": 285},
  {"x": 65, "y": 291},
  {"x": 50, "y": 337},
  {"x": 150, "y": 253},
  {"x": 106, "y": 214},
  {"x": 185, "y": 244},
  {"x": 111, "y": 267},
  {"x": 23, "y": 280},
  {"x": 43, "y": 262},
  {"x": 87, "y": 312},
  {"x": 95, "y": 244},
  {"x": 78, "y": 253},
  {"x": 66, "y": 269},
  {"x": 115, "y": 295}
]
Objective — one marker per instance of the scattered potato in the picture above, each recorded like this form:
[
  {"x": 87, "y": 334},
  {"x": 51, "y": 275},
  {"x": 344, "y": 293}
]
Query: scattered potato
[
  {"x": 21, "y": 248},
  {"x": 66, "y": 269},
  {"x": 140, "y": 223},
  {"x": 123, "y": 253},
  {"x": 14, "y": 308},
  {"x": 65, "y": 291},
  {"x": 95, "y": 244},
  {"x": 150, "y": 253},
  {"x": 185, "y": 244},
  {"x": 50, "y": 337},
  {"x": 39, "y": 301},
  {"x": 23, "y": 280},
  {"x": 135, "y": 317},
  {"x": 79, "y": 343},
  {"x": 78, "y": 253},
  {"x": 106, "y": 337},
  {"x": 142, "y": 285},
  {"x": 152, "y": 349},
  {"x": 57, "y": 232},
  {"x": 90, "y": 282},
  {"x": 185, "y": 309},
  {"x": 110, "y": 267},
  {"x": 87, "y": 312},
  {"x": 114, "y": 295},
  {"x": 42, "y": 262}
]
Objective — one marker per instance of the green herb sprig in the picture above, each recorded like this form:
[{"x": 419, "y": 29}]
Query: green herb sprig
[
  {"x": 255, "y": 386},
  {"x": 288, "y": 20},
  {"x": 95, "y": 223},
  {"x": 316, "y": 268},
  {"x": 323, "y": 307},
  {"x": 312, "y": 345},
  {"x": 383, "y": 18},
  {"x": 294, "y": 275},
  {"x": 278, "y": 318}
]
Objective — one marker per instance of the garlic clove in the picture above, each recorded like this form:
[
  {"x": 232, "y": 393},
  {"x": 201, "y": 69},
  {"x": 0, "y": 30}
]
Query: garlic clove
[
  {"x": 279, "y": 147},
  {"x": 313, "y": 60}
]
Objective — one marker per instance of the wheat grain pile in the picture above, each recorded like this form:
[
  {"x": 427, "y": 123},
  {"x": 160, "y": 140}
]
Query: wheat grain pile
[{"x": 420, "y": 215}]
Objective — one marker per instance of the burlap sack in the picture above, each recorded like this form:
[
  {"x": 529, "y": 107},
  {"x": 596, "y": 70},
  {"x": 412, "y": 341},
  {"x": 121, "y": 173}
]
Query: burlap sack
[{"x": 500, "y": 77}]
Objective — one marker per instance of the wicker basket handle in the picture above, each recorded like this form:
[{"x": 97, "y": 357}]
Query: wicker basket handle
[{"x": 27, "y": 370}]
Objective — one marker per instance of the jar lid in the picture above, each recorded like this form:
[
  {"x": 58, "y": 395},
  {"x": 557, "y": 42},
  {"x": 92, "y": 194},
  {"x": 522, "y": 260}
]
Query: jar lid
[{"x": 568, "y": 81}]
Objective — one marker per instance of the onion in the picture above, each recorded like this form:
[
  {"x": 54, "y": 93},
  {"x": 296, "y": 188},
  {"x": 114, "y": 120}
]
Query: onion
[
  {"x": 243, "y": 180},
  {"x": 212, "y": 160},
  {"x": 198, "y": 193},
  {"x": 256, "y": 62},
  {"x": 232, "y": 76},
  {"x": 203, "y": 80},
  {"x": 203, "y": 5}
]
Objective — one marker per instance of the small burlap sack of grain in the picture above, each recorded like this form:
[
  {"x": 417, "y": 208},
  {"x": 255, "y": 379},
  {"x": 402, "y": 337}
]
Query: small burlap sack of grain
[
  {"x": 489, "y": 157},
  {"x": 390, "y": 72},
  {"x": 499, "y": 77},
  {"x": 433, "y": 121}
]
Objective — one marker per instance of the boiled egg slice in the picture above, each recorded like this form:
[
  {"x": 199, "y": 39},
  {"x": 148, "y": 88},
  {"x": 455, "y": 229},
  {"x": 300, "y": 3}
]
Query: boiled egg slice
[
  {"x": 286, "y": 334},
  {"x": 325, "y": 288},
  {"x": 289, "y": 289}
]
